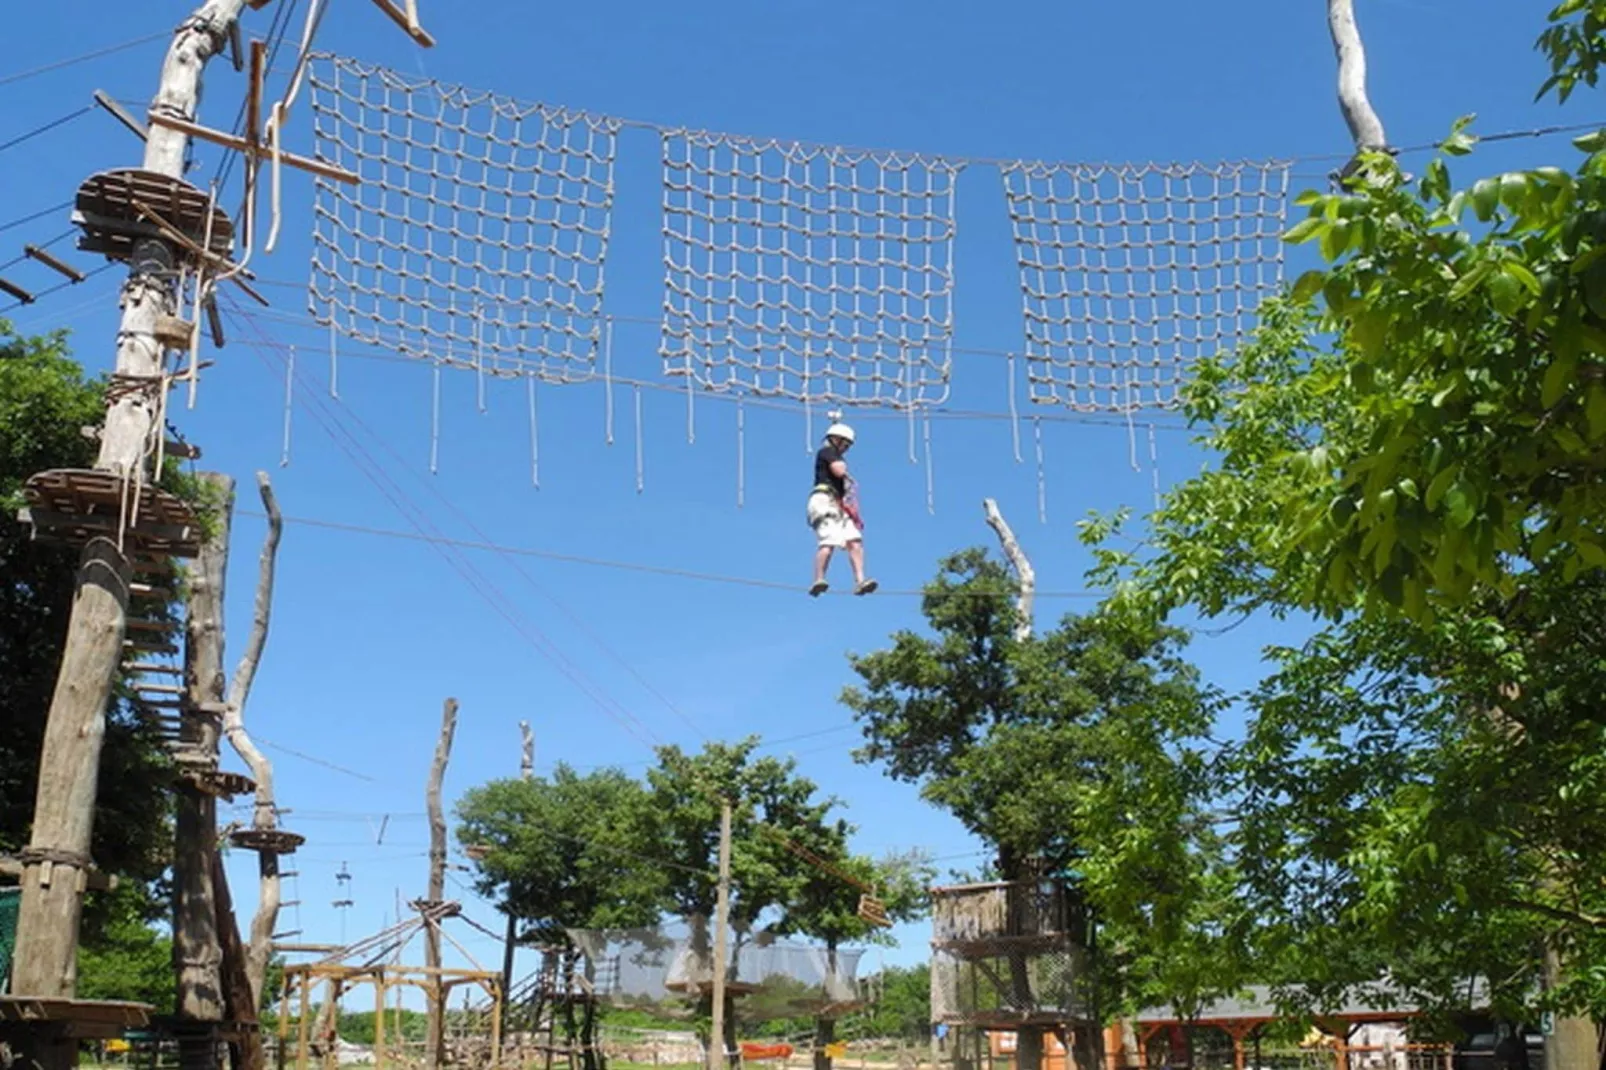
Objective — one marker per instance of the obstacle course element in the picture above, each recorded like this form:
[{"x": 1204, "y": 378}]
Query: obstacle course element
[
  {"x": 822, "y": 275},
  {"x": 478, "y": 233},
  {"x": 1130, "y": 273}
]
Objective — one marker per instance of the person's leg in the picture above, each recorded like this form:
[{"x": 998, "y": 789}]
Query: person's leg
[
  {"x": 822, "y": 558},
  {"x": 861, "y": 585}
]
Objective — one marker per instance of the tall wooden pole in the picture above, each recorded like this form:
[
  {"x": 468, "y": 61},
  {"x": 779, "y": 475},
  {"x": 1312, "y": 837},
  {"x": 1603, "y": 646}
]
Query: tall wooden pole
[
  {"x": 717, "y": 1055},
  {"x": 197, "y": 946},
  {"x": 435, "y": 1043},
  {"x": 64, "y": 806}
]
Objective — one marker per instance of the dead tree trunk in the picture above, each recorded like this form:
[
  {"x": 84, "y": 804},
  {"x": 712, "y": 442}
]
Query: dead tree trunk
[
  {"x": 265, "y": 813},
  {"x": 436, "y": 1041},
  {"x": 526, "y": 772},
  {"x": 1025, "y": 577},
  {"x": 197, "y": 947},
  {"x": 1365, "y": 128},
  {"x": 64, "y": 806}
]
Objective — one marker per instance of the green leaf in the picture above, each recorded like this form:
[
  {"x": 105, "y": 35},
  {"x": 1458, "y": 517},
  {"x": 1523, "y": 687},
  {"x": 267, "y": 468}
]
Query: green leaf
[
  {"x": 1505, "y": 293},
  {"x": 1527, "y": 279},
  {"x": 1485, "y": 198},
  {"x": 1306, "y": 229},
  {"x": 1595, "y": 411},
  {"x": 1368, "y": 330},
  {"x": 1440, "y": 483},
  {"x": 1308, "y": 285},
  {"x": 1458, "y": 505},
  {"x": 1558, "y": 378},
  {"x": 1591, "y": 142}
]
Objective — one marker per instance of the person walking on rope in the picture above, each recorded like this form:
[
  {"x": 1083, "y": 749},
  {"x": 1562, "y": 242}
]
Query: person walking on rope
[{"x": 833, "y": 511}]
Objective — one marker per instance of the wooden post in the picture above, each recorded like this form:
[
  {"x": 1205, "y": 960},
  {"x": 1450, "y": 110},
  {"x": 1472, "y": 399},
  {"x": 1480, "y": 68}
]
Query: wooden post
[
  {"x": 435, "y": 1045},
  {"x": 264, "y": 814},
  {"x": 1365, "y": 128},
  {"x": 526, "y": 772},
  {"x": 197, "y": 950},
  {"x": 717, "y": 1056},
  {"x": 64, "y": 806}
]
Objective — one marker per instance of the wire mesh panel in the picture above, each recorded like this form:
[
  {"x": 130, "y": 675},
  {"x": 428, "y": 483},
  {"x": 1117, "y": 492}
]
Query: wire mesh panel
[
  {"x": 1006, "y": 984},
  {"x": 822, "y": 275},
  {"x": 478, "y": 233},
  {"x": 1130, "y": 273}
]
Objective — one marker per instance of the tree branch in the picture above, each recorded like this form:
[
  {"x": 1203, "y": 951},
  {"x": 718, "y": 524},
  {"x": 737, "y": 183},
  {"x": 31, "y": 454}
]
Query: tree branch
[
  {"x": 1364, "y": 125},
  {"x": 1025, "y": 576},
  {"x": 1573, "y": 917}
]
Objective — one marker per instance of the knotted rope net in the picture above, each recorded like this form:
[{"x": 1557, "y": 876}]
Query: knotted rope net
[
  {"x": 821, "y": 275},
  {"x": 1130, "y": 273},
  {"x": 478, "y": 233}
]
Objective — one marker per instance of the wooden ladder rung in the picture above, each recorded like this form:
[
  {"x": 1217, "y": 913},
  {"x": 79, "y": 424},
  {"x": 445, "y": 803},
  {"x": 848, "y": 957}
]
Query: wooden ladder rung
[
  {"x": 150, "y": 667},
  {"x": 159, "y": 703},
  {"x": 137, "y": 625},
  {"x": 146, "y": 590},
  {"x": 160, "y": 689},
  {"x": 149, "y": 648}
]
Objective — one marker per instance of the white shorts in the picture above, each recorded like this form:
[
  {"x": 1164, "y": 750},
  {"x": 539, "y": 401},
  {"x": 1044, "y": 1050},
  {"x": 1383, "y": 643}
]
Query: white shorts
[{"x": 831, "y": 525}]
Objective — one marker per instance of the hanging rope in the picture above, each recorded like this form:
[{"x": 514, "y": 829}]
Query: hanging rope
[
  {"x": 1042, "y": 482},
  {"x": 289, "y": 394},
  {"x": 535, "y": 434}
]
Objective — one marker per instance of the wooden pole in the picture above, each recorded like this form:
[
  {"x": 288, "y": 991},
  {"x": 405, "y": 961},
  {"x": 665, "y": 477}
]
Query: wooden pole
[
  {"x": 717, "y": 1055},
  {"x": 197, "y": 948},
  {"x": 436, "y": 1045},
  {"x": 526, "y": 772},
  {"x": 1025, "y": 575},
  {"x": 64, "y": 806}
]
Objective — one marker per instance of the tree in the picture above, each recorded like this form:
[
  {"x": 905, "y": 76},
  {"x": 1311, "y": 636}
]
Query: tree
[
  {"x": 563, "y": 852},
  {"x": 1054, "y": 748},
  {"x": 1410, "y": 456},
  {"x": 774, "y": 810},
  {"x": 45, "y": 401}
]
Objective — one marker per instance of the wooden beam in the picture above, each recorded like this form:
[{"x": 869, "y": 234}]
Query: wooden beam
[
  {"x": 240, "y": 144},
  {"x": 34, "y": 252},
  {"x": 400, "y": 17},
  {"x": 94, "y": 879},
  {"x": 122, "y": 115},
  {"x": 16, "y": 291}
]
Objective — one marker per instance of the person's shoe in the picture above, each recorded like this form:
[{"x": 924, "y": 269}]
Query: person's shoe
[
  {"x": 818, "y": 588},
  {"x": 865, "y": 587}
]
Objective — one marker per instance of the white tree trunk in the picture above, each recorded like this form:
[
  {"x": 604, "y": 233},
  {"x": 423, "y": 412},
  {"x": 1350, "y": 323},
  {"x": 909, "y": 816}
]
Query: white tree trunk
[
  {"x": 1364, "y": 126},
  {"x": 259, "y": 951},
  {"x": 1025, "y": 576},
  {"x": 435, "y": 1042}
]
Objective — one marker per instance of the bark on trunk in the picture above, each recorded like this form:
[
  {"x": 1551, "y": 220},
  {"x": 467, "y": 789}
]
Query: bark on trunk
[
  {"x": 1573, "y": 1043},
  {"x": 197, "y": 946},
  {"x": 51, "y": 903},
  {"x": 824, "y": 1037},
  {"x": 1025, "y": 576},
  {"x": 435, "y": 1043}
]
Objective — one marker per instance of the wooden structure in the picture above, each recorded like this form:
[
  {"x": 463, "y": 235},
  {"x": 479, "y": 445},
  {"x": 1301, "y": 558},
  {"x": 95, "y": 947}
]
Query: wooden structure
[
  {"x": 551, "y": 1018},
  {"x": 308, "y": 1039}
]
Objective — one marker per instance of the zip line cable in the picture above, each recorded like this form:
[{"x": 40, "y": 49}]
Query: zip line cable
[
  {"x": 578, "y": 559},
  {"x": 86, "y": 57},
  {"x": 36, "y": 131},
  {"x": 36, "y": 215}
]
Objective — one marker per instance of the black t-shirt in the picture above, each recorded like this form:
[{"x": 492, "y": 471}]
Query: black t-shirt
[{"x": 823, "y": 461}]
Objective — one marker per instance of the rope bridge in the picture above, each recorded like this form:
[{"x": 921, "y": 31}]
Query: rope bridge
[
  {"x": 478, "y": 233},
  {"x": 1131, "y": 273}
]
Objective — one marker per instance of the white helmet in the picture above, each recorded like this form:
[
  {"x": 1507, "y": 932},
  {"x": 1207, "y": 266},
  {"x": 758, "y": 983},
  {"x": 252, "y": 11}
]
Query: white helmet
[{"x": 839, "y": 430}]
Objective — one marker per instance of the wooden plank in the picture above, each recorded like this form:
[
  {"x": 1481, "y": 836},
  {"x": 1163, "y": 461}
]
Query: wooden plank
[
  {"x": 34, "y": 252},
  {"x": 121, "y": 114},
  {"x": 399, "y": 17},
  {"x": 239, "y": 144},
  {"x": 16, "y": 291}
]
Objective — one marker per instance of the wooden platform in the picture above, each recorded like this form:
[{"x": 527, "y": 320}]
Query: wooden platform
[
  {"x": 74, "y": 505},
  {"x": 274, "y": 841},
  {"x": 84, "y": 1019},
  {"x": 218, "y": 784},
  {"x": 119, "y": 207}
]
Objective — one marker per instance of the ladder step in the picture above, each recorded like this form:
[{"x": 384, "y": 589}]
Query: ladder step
[
  {"x": 149, "y": 590},
  {"x": 289, "y": 873},
  {"x": 159, "y": 703},
  {"x": 138, "y": 625},
  {"x": 289, "y": 902},
  {"x": 154, "y": 669},
  {"x": 282, "y": 936},
  {"x": 160, "y": 689},
  {"x": 149, "y": 648}
]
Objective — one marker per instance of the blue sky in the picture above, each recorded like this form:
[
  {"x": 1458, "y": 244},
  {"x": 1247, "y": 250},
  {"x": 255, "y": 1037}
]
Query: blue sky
[{"x": 370, "y": 633}]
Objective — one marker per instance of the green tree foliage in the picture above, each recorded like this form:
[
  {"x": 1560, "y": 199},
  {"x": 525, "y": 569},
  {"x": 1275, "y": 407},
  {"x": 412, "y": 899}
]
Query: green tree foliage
[
  {"x": 123, "y": 956},
  {"x": 44, "y": 402},
  {"x": 1409, "y": 454},
  {"x": 681, "y": 823},
  {"x": 565, "y": 851},
  {"x": 1076, "y": 752},
  {"x": 903, "y": 1008}
]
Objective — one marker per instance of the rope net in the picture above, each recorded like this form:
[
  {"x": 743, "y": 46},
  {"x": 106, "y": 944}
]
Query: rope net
[
  {"x": 822, "y": 275},
  {"x": 477, "y": 234},
  {"x": 1131, "y": 273},
  {"x": 667, "y": 966}
]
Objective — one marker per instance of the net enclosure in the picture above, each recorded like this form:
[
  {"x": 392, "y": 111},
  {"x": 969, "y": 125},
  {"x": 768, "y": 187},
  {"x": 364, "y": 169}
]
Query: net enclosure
[
  {"x": 667, "y": 966},
  {"x": 478, "y": 232},
  {"x": 816, "y": 274},
  {"x": 1130, "y": 273}
]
